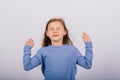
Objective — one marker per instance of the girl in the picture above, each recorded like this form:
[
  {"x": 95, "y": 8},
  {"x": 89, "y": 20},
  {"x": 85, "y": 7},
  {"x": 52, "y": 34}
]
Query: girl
[{"x": 58, "y": 57}]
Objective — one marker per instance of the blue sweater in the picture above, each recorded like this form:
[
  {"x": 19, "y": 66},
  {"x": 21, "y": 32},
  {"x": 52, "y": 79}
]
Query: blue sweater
[{"x": 58, "y": 62}]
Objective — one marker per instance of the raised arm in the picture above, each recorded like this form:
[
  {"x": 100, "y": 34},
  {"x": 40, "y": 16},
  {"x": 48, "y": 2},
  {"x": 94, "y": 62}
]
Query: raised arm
[
  {"x": 28, "y": 62},
  {"x": 85, "y": 61}
]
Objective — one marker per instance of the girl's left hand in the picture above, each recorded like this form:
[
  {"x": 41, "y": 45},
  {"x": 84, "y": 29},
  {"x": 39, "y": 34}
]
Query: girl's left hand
[{"x": 86, "y": 37}]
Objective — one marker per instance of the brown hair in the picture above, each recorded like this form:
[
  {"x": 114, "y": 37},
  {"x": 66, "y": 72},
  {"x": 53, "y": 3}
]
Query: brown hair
[{"x": 46, "y": 39}]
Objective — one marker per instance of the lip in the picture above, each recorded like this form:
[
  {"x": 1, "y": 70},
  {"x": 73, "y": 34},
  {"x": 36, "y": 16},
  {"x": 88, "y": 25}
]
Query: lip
[{"x": 55, "y": 35}]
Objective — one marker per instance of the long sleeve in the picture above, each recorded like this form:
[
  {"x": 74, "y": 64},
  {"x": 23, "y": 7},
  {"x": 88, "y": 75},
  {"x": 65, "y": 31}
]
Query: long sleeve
[
  {"x": 85, "y": 61},
  {"x": 28, "y": 62}
]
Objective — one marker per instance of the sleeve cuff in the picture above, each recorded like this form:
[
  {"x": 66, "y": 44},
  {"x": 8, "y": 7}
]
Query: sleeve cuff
[
  {"x": 26, "y": 47},
  {"x": 88, "y": 44},
  {"x": 27, "y": 50}
]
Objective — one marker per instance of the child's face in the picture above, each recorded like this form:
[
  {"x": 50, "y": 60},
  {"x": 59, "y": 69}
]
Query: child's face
[{"x": 56, "y": 31}]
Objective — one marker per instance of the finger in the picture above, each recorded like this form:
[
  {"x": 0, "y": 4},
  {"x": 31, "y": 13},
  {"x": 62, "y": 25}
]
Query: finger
[
  {"x": 85, "y": 34},
  {"x": 31, "y": 39}
]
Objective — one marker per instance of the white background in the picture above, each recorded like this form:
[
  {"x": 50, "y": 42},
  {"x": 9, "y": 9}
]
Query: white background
[{"x": 24, "y": 19}]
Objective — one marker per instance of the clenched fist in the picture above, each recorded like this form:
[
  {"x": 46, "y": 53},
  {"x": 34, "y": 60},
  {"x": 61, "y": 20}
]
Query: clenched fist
[
  {"x": 85, "y": 37},
  {"x": 29, "y": 42}
]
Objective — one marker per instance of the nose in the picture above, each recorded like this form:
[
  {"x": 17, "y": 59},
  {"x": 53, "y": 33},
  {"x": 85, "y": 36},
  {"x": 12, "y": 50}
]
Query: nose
[{"x": 55, "y": 30}]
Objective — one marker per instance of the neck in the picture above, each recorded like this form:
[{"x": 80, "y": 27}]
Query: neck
[{"x": 57, "y": 43}]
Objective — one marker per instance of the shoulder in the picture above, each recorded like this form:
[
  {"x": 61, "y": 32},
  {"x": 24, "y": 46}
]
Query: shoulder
[{"x": 42, "y": 49}]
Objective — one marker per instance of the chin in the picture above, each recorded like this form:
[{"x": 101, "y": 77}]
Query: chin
[{"x": 56, "y": 40}]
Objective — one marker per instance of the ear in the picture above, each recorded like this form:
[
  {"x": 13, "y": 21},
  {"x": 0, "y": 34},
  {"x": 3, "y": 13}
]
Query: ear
[
  {"x": 65, "y": 32},
  {"x": 47, "y": 33}
]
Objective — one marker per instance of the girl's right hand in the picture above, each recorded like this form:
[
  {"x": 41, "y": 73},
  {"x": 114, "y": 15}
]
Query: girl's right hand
[{"x": 29, "y": 42}]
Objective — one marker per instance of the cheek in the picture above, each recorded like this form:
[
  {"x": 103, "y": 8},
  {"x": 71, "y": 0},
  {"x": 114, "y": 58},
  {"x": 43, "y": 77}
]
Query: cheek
[
  {"x": 62, "y": 33},
  {"x": 49, "y": 34},
  {"x": 65, "y": 32}
]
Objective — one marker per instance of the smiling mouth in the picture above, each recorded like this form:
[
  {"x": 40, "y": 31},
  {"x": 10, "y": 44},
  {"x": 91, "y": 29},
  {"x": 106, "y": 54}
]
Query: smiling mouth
[{"x": 55, "y": 35}]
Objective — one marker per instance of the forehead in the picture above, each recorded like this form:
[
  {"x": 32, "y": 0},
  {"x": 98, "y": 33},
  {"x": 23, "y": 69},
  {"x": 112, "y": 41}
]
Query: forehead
[{"x": 55, "y": 24}]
